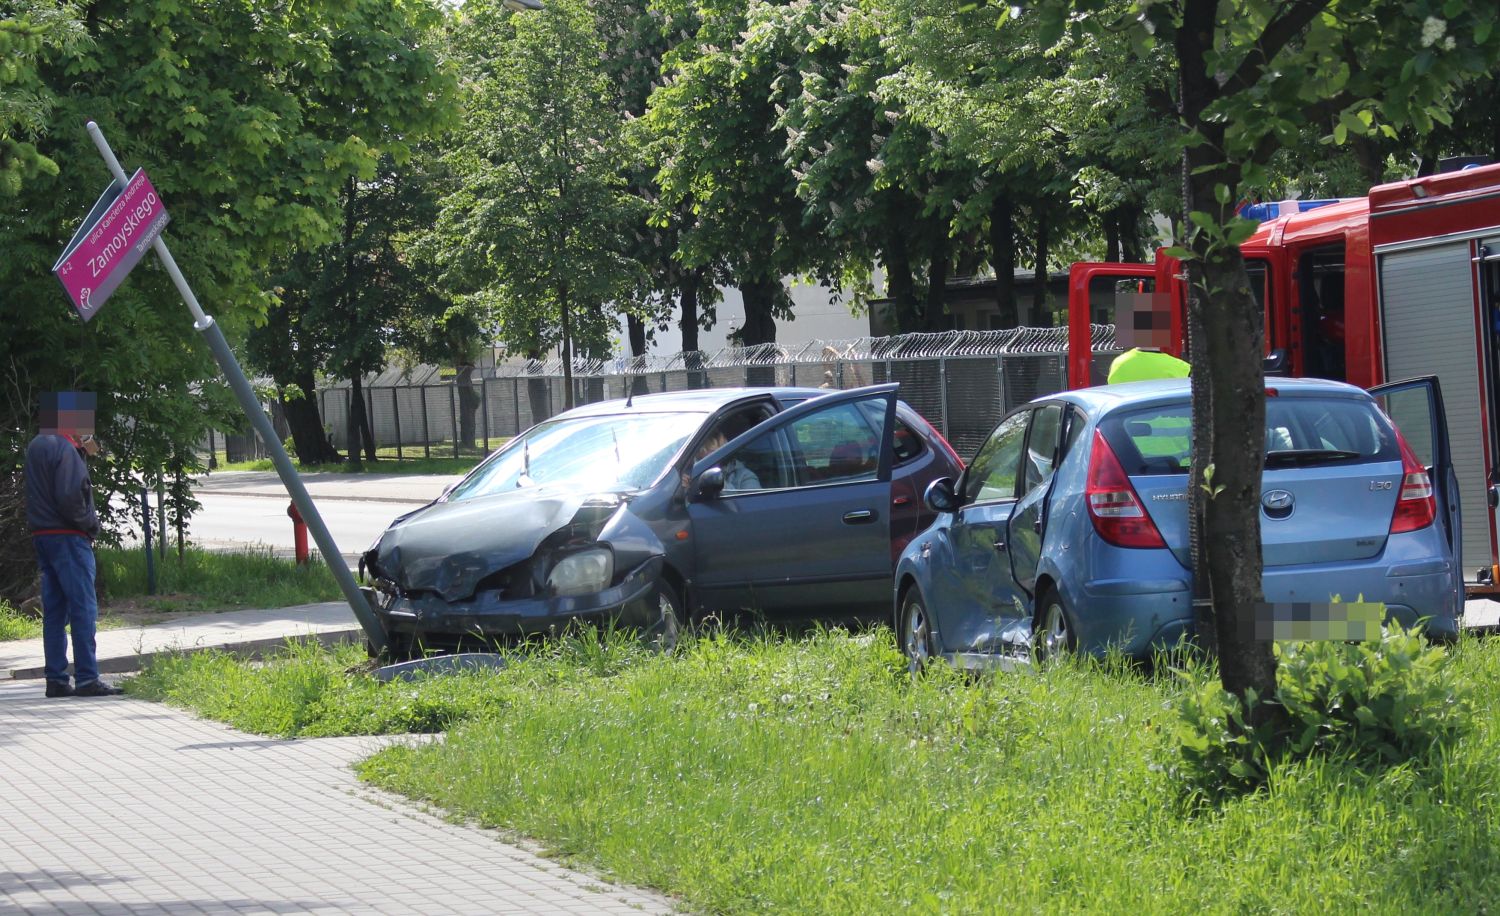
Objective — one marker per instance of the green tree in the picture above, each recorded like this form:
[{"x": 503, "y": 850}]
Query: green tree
[
  {"x": 720, "y": 157},
  {"x": 28, "y": 30},
  {"x": 250, "y": 119},
  {"x": 1070, "y": 143},
  {"x": 1253, "y": 76},
  {"x": 541, "y": 212}
]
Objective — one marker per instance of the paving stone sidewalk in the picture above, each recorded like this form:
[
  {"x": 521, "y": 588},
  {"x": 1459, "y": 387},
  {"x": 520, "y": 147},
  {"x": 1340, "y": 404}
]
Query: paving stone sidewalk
[{"x": 122, "y": 806}]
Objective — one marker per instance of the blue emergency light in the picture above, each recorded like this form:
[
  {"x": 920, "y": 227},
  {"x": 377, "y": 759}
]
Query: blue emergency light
[{"x": 1278, "y": 209}]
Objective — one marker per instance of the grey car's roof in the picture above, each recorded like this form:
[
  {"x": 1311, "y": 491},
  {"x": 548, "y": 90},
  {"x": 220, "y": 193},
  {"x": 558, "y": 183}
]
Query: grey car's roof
[
  {"x": 697, "y": 400},
  {"x": 1103, "y": 399}
]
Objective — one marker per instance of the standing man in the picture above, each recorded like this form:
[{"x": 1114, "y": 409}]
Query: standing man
[{"x": 60, "y": 513}]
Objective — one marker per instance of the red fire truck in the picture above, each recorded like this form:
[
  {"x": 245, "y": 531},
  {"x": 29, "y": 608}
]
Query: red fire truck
[{"x": 1400, "y": 284}]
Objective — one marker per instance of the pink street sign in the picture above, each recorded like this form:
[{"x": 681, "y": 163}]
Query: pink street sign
[{"x": 111, "y": 240}]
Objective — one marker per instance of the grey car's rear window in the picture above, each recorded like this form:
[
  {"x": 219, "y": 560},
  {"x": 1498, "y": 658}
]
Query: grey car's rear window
[{"x": 1299, "y": 432}]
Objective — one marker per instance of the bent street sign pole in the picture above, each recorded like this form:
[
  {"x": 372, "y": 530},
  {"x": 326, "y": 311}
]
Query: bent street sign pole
[{"x": 227, "y": 362}]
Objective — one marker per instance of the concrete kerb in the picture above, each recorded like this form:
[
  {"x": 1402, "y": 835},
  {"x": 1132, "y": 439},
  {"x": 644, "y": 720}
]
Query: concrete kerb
[
  {"x": 251, "y": 649},
  {"x": 247, "y": 632}
]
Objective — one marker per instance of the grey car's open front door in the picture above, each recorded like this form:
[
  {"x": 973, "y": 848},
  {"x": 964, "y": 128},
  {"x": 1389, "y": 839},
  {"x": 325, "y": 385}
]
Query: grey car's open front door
[
  {"x": 1416, "y": 407},
  {"x": 797, "y": 517}
]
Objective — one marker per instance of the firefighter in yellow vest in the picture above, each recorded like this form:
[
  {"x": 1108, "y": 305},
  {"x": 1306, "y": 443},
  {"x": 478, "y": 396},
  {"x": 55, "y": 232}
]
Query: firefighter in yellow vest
[{"x": 1138, "y": 365}]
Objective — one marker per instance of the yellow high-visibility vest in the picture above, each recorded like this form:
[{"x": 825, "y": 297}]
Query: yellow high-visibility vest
[{"x": 1138, "y": 365}]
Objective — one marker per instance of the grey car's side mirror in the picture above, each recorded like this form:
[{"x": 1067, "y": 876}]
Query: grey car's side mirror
[
  {"x": 708, "y": 485},
  {"x": 940, "y": 496}
]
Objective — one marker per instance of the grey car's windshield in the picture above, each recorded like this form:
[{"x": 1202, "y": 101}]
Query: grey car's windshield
[{"x": 626, "y": 451}]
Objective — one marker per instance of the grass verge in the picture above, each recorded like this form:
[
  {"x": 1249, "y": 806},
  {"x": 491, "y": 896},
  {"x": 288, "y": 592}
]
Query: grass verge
[
  {"x": 210, "y": 581},
  {"x": 775, "y": 775},
  {"x": 15, "y": 625}
]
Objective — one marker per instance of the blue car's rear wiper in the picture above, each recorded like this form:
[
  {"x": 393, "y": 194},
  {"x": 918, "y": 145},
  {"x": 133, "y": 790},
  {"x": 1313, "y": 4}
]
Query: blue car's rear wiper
[{"x": 1308, "y": 455}]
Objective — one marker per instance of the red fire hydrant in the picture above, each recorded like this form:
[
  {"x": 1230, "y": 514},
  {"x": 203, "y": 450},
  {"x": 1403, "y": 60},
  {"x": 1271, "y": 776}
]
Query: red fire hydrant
[{"x": 299, "y": 533}]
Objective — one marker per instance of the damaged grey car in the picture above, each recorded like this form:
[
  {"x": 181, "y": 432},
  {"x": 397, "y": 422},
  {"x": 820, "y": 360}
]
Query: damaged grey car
[{"x": 652, "y": 510}]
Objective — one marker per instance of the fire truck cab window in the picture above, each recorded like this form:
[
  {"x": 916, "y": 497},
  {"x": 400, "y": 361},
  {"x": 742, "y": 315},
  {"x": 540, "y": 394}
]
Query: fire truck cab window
[
  {"x": 1258, "y": 271},
  {"x": 1320, "y": 313}
]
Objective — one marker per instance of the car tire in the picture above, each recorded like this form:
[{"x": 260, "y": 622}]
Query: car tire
[
  {"x": 916, "y": 632},
  {"x": 1052, "y": 633},
  {"x": 665, "y": 611}
]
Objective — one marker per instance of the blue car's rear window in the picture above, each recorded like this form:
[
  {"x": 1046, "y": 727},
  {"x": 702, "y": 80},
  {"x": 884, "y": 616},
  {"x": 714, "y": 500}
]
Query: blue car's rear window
[{"x": 1299, "y": 432}]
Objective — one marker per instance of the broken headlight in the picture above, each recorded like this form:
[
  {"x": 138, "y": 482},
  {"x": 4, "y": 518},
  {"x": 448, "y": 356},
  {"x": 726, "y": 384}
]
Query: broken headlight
[{"x": 582, "y": 573}]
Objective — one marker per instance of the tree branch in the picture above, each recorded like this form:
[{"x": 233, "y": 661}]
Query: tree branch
[{"x": 1277, "y": 35}]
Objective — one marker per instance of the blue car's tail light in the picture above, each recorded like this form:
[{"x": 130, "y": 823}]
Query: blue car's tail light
[
  {"x": 1114, "y": 507},
  {"x": 1416, "y": 506}
]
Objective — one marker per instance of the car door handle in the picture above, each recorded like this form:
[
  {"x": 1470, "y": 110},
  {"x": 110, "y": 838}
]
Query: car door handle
[
  {"x": 859, "y": 517},
  {"x": 1000, "y": 545}
]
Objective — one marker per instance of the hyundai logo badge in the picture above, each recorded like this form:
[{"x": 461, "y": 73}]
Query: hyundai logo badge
[{"x": 1278, "y": 503}]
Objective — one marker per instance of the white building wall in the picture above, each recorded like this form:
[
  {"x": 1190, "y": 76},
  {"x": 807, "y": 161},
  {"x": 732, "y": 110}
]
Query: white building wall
[{"x": 820, "y": 313}]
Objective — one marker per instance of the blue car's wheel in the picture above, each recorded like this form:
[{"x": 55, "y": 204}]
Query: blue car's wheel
[
  {"x": 1052, "y": 632},
  {"x": 916, "y": 631}
]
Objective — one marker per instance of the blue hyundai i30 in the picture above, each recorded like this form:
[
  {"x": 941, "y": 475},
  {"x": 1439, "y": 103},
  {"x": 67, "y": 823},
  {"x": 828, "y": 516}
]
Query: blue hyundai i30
[{"x": 1069, "y": 529}]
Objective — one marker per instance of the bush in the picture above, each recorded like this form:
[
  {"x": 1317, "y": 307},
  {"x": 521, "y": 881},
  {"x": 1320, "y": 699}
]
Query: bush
[{"x": 1376, "y": 704}]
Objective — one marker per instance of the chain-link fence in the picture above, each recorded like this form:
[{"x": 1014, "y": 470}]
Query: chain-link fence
[{"x": 963, "y": 382}]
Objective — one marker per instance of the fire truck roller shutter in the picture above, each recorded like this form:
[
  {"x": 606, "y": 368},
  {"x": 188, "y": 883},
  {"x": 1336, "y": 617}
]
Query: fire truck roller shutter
[{"x": 1428, "y": 328}]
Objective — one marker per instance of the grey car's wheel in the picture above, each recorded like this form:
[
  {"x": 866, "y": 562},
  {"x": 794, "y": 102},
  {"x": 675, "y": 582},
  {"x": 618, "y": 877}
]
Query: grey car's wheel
[
  {"x": 665, "y": 613},
  {"x": 916, "y": 631},
  {"x": 1053, "y": 633}
]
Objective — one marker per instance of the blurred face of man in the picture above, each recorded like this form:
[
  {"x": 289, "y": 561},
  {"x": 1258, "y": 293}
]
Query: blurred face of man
[{"x": 71, "y": 414}]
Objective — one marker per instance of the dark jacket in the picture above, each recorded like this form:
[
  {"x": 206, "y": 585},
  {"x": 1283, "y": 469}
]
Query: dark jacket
[{"x": 59, "y": 496}]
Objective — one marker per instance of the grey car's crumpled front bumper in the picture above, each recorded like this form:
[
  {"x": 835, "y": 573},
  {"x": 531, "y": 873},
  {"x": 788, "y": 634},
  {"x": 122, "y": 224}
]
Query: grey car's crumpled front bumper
[{"x": 486, "y": 615}]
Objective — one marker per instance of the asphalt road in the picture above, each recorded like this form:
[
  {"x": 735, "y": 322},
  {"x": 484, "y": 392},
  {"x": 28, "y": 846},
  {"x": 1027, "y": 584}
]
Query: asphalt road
[{"x": 245, "y": 509}]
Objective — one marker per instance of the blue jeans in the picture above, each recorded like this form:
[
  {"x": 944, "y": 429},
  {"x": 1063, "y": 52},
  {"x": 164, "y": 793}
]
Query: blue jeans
[{"x": 68, "y": 601}]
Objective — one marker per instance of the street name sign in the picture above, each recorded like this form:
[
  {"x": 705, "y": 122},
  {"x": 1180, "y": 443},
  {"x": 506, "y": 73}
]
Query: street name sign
[{"x": 113, "y": 239}]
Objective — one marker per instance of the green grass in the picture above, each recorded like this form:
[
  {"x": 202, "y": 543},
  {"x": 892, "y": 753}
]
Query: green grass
[
  {"x": 212, "y": 581},
  {"x": 387, "y": 465},
  {"x": 812, "y": 776},
  {"x": 15, "y": 625}
]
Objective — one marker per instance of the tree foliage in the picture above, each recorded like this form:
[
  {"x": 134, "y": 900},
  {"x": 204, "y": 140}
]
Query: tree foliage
[
  {"x": 540, "y": 211},
  {"x": 250, "y": 119}
]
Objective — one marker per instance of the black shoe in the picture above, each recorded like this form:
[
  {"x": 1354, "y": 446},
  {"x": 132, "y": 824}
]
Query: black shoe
[
  {"x": 59, "y": 689},
  {"x": 96, "y": 689}
]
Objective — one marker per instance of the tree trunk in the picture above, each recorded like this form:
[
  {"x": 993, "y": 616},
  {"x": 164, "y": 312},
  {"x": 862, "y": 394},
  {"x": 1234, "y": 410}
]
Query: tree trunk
[
  {"x": 1130, "y": 233},
  {"x": 934, "y": 310},
  {"x": 1228, "y": 385},
  {"x": 352, "y": 425},
  {"x": 468, "y": 406},
  {"x": 692, "y": 282},
  {"x": 1112, "y": 235},
  {"x": 760, "y": 325},
  {"x": 368, "y": 432},
  {"x": 567, "y": 345},
  {"x": 760, "y": 304},
  {"x": 1040, "y": 315},
  {"x": 1003, "y": 259},
  {"x": 306, "y": 425},
  {"x": 900, "y": 287},
  {"x": 1370, "y": 159},
  {"x": 635, "y": 329}
]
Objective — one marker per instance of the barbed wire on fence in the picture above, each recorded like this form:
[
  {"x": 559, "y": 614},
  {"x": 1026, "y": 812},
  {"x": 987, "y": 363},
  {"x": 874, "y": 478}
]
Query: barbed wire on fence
[{"x": 963, "y": 381}]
